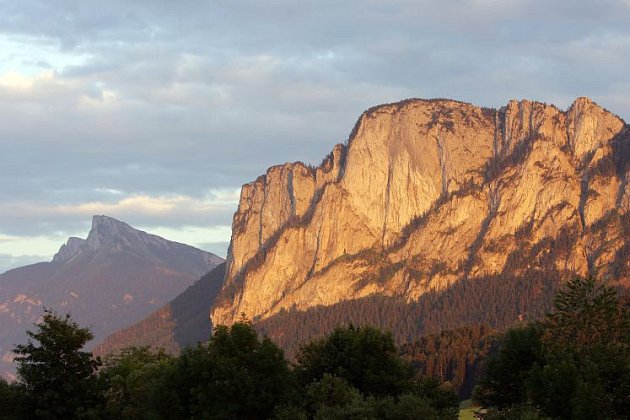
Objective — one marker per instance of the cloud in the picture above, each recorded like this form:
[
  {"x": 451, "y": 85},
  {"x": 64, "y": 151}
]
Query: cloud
[
  {"x": 215, "y": 209},
  {"x": 138, "y": 109}
]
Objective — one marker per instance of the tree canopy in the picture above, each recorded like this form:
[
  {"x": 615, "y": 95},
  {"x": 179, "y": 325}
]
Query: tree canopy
[
  {"x": 573, "y": 364},
  {"x": 56, "y": 376}
]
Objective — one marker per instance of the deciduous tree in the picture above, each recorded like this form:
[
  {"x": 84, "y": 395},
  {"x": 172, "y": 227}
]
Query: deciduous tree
[{"x": 57, "y": 376}]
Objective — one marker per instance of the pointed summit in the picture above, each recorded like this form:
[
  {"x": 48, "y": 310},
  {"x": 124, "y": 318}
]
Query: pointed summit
[
  {"x": 102, "y": 220},
  {"x": 107, "y": 231}
]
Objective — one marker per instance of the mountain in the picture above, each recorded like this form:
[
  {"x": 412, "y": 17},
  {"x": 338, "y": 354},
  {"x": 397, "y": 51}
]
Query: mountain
[
  {"x": 461, "y": 213},
  {"x": 116, "y": 276},
  {"x": 182, "y": 322}
]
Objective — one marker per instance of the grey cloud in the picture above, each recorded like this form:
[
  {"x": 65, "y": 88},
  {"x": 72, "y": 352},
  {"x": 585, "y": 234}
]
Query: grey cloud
[
  {"x": 37, "y": 218},
  {"x": 183, "y": 97}
]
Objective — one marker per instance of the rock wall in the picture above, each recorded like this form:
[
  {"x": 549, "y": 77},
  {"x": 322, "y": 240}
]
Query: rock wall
[{"x": 429, "y": 192}]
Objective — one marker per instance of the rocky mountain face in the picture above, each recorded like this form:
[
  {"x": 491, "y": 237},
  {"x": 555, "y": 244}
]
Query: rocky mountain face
[
  {"x": 180, "y": 323},
  {"x": 112, "y": 279},
  {"x": 427, "y": 194}
]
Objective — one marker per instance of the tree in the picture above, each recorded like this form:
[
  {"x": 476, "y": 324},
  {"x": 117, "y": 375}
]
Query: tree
[
  {"x": 574, "y": 364},
  {"x": 365, "y": 357},
  {"x": 333, "y": 398},
  {"x": 586, "y": 342},
  {"x": 12, "y": 404},
  {"x": 504, "y": 382},
  {"x": 357, "y": 373},
  {"x": 57, "y": 377},
  {"x": 131, "y": 383},
  {"x": 237, "y": 375}
]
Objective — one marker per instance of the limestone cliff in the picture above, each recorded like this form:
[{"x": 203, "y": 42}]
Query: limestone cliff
[{"x": 430, "y": 192}]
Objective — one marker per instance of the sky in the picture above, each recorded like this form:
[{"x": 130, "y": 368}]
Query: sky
[{"x": 156, "y": 112}]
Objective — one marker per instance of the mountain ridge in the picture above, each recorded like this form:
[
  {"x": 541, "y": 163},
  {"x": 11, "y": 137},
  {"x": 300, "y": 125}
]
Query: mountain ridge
[
  {"x": 477, "y": 183},
  {"x": 115, "y": 277}
]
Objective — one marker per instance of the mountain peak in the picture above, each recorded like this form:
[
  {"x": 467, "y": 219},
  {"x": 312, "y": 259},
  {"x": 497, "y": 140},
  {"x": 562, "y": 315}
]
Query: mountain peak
[
  {"x": 99, "y": 221},
  {"x": 590, "y": 126},
  {"x": 107, "y": 231}
]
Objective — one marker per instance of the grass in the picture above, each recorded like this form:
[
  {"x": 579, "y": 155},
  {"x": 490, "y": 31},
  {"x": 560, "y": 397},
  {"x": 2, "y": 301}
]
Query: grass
[{"x": 466, "y": 410}]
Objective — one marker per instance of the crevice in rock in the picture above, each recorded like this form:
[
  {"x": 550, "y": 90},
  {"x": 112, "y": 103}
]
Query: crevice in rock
[
  {"x": 531, "y": 120},
  {"x": 621, "y": 150},
  {"x": 387, "y": 201},
  {"x": 342, "y": 162},
  {"x": 493, "y": 205},
  {"x": 262, "y": 209},
  {"x": 317, "y": 245},
  {"x": 291, "y": 192},
  {"x": 623, "y": 185},
  {"x": 495, "y": 139},
  {"x": 442, "y": 161},
  {"x": 583, "y": 197}
]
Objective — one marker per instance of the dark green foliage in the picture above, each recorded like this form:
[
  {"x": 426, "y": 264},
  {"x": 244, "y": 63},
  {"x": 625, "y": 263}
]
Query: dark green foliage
[
  {"x": 365, "y": 357},
  {"x": 334, "y": 398},
  {"x": 575, "y": 364},
  {"x": 236, "y": 375},
  {"x": 440, "y": 395},
  {"x": 131, "y": 382},
  {"x": 57, "y": 377},
  {"x": 13, "y": 401},
  {"x": 506, "y": 373},
  {"x": 353, "y": 373},
  {"x": 357, "y": 373},
  {"x": 517, "y": 412},
  {"x": 587, "y": 354},
  {"x": 243, "y": 377},
  {"x": 330, "y": 391}
]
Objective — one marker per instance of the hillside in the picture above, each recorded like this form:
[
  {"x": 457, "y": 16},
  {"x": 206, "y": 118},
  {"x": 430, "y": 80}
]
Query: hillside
[
  {"x": 115, "y": 277},
  {"x": 182, "y": 322}
]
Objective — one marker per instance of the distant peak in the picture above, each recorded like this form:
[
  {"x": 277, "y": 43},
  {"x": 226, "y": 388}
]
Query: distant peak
[
  {"x": 102, "y": 220},
  {"x": 109, "y": 231}
]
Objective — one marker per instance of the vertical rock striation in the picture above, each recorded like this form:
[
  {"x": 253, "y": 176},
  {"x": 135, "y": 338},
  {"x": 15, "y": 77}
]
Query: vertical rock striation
[{"x": 429, "y": 192}]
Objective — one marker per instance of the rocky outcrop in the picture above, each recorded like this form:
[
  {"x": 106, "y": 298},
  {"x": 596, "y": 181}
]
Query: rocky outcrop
[
  {"x": 430, "y": 192},
  {"x": 69, "y": 249}
]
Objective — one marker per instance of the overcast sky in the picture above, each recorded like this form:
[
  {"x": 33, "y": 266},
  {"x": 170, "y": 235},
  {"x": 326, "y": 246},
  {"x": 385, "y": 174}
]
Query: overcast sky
[{"x": 156, "y": 112}]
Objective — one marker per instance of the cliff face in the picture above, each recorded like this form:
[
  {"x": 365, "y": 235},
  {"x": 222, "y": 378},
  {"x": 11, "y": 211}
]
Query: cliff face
[{"x": 427, "y": 193}]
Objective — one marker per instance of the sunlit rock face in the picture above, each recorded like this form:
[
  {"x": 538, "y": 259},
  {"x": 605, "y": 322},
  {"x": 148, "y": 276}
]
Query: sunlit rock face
[{"x": 429, "y": 192}]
